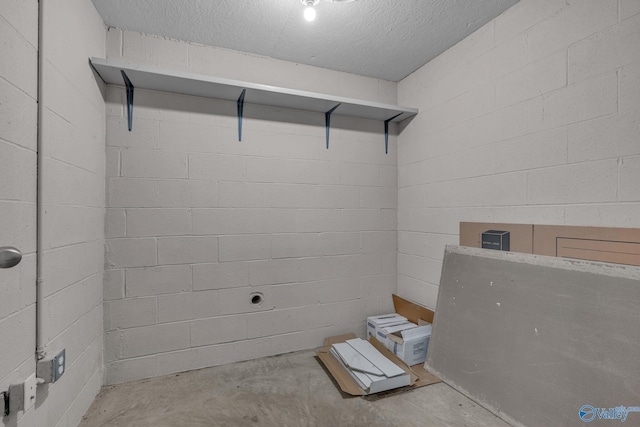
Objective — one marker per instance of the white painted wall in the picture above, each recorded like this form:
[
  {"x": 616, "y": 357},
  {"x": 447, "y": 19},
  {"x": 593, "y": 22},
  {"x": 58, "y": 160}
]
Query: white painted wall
[
  {"x": 176, "y": 55},
  {"x": 18, "y": 140},
  {"x": 197, "y": 221},
  {"x": 535, "y": 118},
  {"x": 73, "y": 129},
  {"x": 73, "y": 126}
]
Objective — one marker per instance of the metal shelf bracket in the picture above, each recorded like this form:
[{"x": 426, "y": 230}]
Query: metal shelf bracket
[
  {"x": 386, "y": 133},
  {"x": 240, "y": 113},
  {"x": 129, "y": 87},
  {"x": 327, "y": 121}
]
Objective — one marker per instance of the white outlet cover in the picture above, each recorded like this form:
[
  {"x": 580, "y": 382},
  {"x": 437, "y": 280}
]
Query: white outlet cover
[{"x": 30, "y": 386}]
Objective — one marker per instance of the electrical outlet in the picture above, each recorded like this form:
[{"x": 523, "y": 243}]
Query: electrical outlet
[
  {"x": 59, "y": 365},
  {"x": 50, "y": 370},
  {"x": 30, "y": 386}
]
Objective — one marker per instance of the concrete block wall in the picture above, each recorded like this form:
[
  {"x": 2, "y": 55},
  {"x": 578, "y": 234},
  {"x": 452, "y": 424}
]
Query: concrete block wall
[
  {"x": 18, "y": 146},
  {"x": 534, "y": 118},
  {"x": 73, "y": 144},
  {"x": 197, "y": 222},
  {"x": 73, "y": 128}
]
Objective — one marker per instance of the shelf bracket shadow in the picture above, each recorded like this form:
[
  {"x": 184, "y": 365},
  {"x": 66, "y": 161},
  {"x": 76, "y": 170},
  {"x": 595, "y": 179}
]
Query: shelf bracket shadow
[
  {"x": 386, "y": 133},
  {"x": 129, "y": 87},
  {"x": 240, "y": 113},
  {"x": 327, "y": 121}
]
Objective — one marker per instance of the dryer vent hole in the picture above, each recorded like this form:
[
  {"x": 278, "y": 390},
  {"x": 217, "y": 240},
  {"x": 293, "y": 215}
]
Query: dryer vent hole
[{"x": 256, "y": 299}]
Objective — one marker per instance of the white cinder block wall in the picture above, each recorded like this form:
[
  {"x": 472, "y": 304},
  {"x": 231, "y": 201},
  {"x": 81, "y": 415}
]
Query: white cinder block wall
[
  {"x": 73, "y": 126},
  {"x": 197, "y": 222},
  {"x": 18, "y": 141},
  {"x": 73, "y": 130},
  {"x": 535, "y": 118}
]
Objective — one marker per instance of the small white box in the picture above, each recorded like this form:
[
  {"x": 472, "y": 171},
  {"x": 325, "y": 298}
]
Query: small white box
[
  {"x": 383, "y": 333},
  {"x": 411, "y": 345},
  {"x": 375, "y": 323}
]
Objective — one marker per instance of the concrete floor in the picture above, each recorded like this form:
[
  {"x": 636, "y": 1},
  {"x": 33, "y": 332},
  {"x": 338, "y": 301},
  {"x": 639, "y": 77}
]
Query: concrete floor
[{"x": 287, "y": 390}]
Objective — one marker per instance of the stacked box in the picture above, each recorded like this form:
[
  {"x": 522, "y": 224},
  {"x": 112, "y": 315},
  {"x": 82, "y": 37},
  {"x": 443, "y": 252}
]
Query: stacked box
[
  {"x": 383, "y": 334},
  {"x": 376, "y": 323},
  {"x": 410, "y": 345}
]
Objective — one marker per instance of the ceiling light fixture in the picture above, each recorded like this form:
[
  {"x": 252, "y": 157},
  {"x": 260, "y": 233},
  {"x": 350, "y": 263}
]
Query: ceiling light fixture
[{"x": 309, "y": 11}]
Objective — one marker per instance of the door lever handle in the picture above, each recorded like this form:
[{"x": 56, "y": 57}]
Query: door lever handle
[{"x": 9, "y": 257}]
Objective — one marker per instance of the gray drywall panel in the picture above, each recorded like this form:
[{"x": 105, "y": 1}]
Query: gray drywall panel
[{"x": 534, "y": 338}]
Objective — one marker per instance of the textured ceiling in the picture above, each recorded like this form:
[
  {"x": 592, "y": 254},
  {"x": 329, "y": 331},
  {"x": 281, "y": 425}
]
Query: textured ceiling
[{"x": 386, "y": 39}]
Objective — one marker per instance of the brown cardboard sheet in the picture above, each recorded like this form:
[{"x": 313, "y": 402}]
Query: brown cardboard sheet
[
  {"x": 616, "y": 245},
  {"x": 603, "y": 244},
  {"x": 412, "y": 311},
  {"x": 342, "y": 377}
]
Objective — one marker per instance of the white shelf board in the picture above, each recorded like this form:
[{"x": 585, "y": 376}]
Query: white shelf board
[{"x": 154, "y": 78}]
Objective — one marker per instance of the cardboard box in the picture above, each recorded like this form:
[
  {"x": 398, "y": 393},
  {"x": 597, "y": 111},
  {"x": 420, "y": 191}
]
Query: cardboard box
[
  {"x": 410, "y": 345},
  {"x": 383, "y": 334},
  {"x": 376, "y": 323},
  {"x": 496, "y": 239},
  {"x": 420, "y": 377}
]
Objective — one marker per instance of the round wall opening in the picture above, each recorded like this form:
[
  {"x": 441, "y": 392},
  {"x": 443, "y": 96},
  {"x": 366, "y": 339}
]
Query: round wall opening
[{"x": 256, "y": 298}]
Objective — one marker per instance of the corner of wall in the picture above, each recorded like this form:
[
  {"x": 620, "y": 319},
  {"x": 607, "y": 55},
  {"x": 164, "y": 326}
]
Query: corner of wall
[{"x": 528, "y": 120}]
